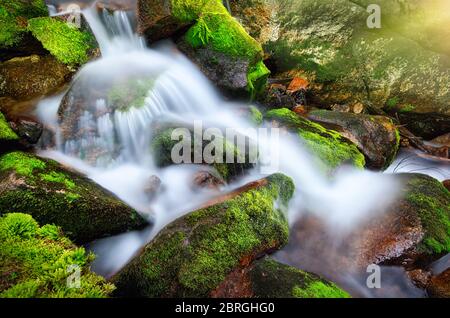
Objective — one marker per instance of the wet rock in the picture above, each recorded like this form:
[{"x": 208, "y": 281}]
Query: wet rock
[
  {"x": 419, "y": 277},
  {"x": 400, "y": 65},
  {"x": 32, "y": 76},
  {"x": 267, "y": 278},
  {"x": 330, "y": 147},
  {"x": 205, "y": 179},
  {"x": 117, "y": 5},
  {"x": 152, "y": 187},
  {"x": 36, "y": 262},
  {"x": 439, "y": 286},
  {"x": 411, "y": 233},
  {"x": 193, "y": 256},
  {"x": 162, "y": 145},
  {"x": 278, "y": 97},
  {"x": 427, "y": 125},
  {"x": 53, "y": 194},
  {"x": 28, "y": 129},
  {"x": 443, "y": 140},
  {"x": 376, "y": 136}
]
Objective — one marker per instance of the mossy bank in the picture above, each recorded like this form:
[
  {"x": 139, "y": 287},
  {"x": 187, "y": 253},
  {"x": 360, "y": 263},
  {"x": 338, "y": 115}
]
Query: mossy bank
[{"x": 38, "y": 261}]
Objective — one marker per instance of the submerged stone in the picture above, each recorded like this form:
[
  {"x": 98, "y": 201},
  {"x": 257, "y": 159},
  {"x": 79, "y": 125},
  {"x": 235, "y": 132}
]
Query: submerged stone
[
  {"x": 194, "y": 254},
  {"x": 53, "y": 194},
  {"x": 330, "y": 147},
  {"x": 38, "y": 262}
]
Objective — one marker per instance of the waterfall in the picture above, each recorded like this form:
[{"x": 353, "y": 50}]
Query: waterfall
[{"x": 111, "y": 145}]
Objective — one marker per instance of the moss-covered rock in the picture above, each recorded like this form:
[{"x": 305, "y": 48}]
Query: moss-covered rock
[
  {"x": 193, "y": 255},
  {"x": 32, "y": 76},
  {"x": 66, "y": 42},
  {"x": 215, "y": 41},
  {"x": 38, "y": 262},
  {"x": 7, "y": 136},
  {"x": 377, "y": 137},
  {"x": 55, "y": 195},
  {"x": 13, "y": 19},
  {"x": 162, "y": 145},
  {"x": 266, "y": 278},
  {"x": 350, "y": 63},
  {"x": 330, "y": 147}
]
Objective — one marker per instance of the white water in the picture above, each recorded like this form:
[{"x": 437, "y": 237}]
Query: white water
[{"x": 182, "y": 93}]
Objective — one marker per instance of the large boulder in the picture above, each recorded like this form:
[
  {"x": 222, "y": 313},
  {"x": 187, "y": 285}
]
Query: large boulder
[
  {"x": 406, "y": 59},
  {"x": 37, "y": 262},
  {"x": 412, "y": 233},
  {"x": 32, "y": 76},
  {"x": 214, "y": 40},
  {"x": 266, "y": 278},
  {"x": 330, "y": 147},
  {"x": 377, "y": 137},
  {"x": 193, "y": 256},
  {"x": 53, "y": 194}
]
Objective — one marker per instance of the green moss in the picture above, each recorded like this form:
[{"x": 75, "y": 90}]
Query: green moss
[
  {"x": 407, "y": 108},
  {"x": 197, "y": 252},
  {"x": 13, "y": 19},
  {"x": 58, "y": 177},
  {"x": 329, "y": 146},
  {"x": 255, "y": 115},
  {"x": 432, "y": 201},
  {"x": 319, "y": 289},
  {"x": 6, "y": 133},
  {"x": 131, "y": 94},
  {"x": 23, "y": 163},
  {"x": 39, "y": 260},
  {"x": 67, "y": 43},
  {"x": 257, "y": 78}
]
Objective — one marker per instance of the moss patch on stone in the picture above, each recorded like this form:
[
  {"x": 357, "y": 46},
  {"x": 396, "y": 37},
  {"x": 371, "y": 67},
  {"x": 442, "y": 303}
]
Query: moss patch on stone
[
  {"x": 13, "y": 19},
  {"x": 131, "y": 94},
  {"x": 193, "y": 255},
  {"x": 67, "y": 43},
  {"x": 6, "y": 133},
  {"x": 271, "y": 279},
  {"x": 329, "y": 146},
  {"x": 431, "y": 200},
  {"x": 38, "y": 261},
  {"x": 54, "y": 195}
]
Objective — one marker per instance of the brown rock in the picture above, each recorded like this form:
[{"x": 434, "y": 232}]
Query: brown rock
[
  {"x": 446, "y": 184},
  {"x": 419, "y": 277},
  {"x": 439, "y": 286},
  {"x": 27, "y": 77}
]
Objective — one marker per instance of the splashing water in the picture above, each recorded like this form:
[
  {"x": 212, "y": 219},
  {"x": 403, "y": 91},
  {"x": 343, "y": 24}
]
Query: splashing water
[{"x": 118, "y": 140}]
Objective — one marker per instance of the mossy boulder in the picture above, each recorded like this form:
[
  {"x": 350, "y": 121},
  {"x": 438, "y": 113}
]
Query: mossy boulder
[
  {"x": 214, "y": 40},
  {"x": 330, "y": 147},
  {"x": 192, "y": 256},
  {"x": 267, "y": 278},
  {"x": 67, "y": 43},
  {"x": 377, "y": 137},
  {"x": 32, "y": 76},
  {"x": 13, "y": 19},
  {"x": 413, "y": 232},
  {"x": 37, "y": 262},
  {"x": 53, "y": 194},
  {"x": 407, "y": 58},
  {"x": 165, "y": 139},
  {"x": 8, "y": 138}
]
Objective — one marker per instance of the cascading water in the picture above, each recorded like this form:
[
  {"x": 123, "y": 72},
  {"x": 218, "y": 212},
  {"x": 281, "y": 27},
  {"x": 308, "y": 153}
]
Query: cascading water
[{"x": 110, "y": 142}]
